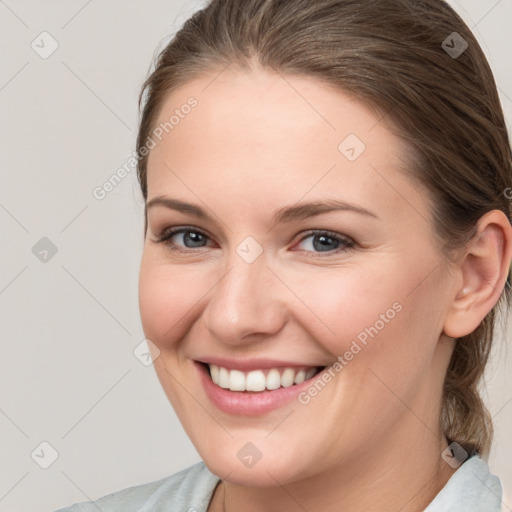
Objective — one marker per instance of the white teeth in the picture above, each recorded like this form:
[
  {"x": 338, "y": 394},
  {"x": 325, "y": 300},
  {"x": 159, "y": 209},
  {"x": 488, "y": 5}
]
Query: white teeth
[
  {"x": 223, "y": 378},
  {"x": 255, "y": 381},
  {"x": 300, "y": 377},
  {"x": 273, "y": 379},
  {"x": 287, "y": 378},
  {"x": 235, "y": 380},
  {"x": 214, "y": 370}
]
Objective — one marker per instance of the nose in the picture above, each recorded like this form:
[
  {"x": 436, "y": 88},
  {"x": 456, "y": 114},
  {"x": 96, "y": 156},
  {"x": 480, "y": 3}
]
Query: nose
[{"x": 247, "y": 304}]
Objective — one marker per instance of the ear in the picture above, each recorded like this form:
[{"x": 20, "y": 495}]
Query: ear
[{"x": 483, "y": 269}]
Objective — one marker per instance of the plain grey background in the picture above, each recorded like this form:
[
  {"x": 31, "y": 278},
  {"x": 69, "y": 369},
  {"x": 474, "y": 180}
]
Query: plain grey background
[{"x": 69, "y": 262}]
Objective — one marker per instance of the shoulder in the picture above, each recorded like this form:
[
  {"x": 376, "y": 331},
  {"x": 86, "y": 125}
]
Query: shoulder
[
  {"x": 472, "y": 488},
  {"x": 187, "y": 490}
]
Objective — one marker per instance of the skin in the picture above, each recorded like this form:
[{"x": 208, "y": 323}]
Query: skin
[{"x": 258, "y": 142}]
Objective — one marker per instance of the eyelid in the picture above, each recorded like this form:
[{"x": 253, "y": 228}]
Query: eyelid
[
  {"x": 348, "y": 242},
  {"x": 329, "y": 233},
  {"x": 168, "y": 232}
]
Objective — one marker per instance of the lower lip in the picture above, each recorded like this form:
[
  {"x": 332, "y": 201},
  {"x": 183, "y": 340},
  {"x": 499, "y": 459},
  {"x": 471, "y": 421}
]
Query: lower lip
[{"x": 247, "y": 403}]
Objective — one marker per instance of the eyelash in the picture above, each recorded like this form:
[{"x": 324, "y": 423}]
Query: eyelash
[{"x": 347, "y": 243}]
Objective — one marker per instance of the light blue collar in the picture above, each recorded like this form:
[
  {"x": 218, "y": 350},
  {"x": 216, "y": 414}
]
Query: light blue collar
[{"x": 472, "y": 488}]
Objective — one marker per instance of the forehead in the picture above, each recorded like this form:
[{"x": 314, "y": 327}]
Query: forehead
[
  {"x": 259, "y": 132},
  {"x": 269, "y": 105}
]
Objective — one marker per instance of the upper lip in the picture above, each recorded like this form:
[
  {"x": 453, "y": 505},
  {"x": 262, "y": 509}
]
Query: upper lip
[{"x": 254, "y": 364}]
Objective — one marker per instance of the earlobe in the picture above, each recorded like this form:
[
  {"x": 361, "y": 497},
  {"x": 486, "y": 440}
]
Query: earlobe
[{"x": 483, "y": 270}]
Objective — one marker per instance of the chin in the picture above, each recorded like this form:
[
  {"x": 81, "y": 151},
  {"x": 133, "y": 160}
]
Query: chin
[{"x": 233, "y": 463}]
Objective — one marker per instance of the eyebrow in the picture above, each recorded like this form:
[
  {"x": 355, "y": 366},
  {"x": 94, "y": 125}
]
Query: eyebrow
[{"x": 287, "y": 214}]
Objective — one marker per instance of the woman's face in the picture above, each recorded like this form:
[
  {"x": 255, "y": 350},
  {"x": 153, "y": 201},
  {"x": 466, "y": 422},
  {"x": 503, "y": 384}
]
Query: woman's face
[{"x": 304, "y": 247}]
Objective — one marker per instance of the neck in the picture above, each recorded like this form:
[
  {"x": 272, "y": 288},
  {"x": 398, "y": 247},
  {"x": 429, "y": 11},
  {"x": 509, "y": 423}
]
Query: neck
[{"x": 405, "y": 474}]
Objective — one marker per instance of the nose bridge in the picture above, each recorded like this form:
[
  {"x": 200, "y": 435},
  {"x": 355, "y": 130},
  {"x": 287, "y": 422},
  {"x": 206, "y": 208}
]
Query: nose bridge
[{"x": 244, "y": 300}]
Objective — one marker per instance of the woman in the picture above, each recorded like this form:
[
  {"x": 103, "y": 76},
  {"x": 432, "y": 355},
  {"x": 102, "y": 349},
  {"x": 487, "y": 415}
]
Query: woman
[{"x": 327, "y": 244}]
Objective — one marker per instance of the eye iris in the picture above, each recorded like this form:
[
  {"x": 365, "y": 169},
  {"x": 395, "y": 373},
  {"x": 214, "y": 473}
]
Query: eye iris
[
  {"x": 323, "y": 246},
  {"x": 195, "y": 238}
]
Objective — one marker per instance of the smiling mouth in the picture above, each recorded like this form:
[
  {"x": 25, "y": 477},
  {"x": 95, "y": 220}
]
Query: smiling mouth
[{"x": 267, "y": 379}]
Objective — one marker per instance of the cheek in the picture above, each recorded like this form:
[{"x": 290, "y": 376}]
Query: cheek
[
  {"x": 167, "y": 297},
  {"x": 345, "y": 305},
  {"x": 372, "y": 311}
]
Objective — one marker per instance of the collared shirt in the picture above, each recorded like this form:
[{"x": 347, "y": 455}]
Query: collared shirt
[{"x": 472, "y": 488}]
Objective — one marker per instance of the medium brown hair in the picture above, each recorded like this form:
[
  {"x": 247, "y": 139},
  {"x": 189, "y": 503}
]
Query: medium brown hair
[{"x": 393, "y": 55}]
